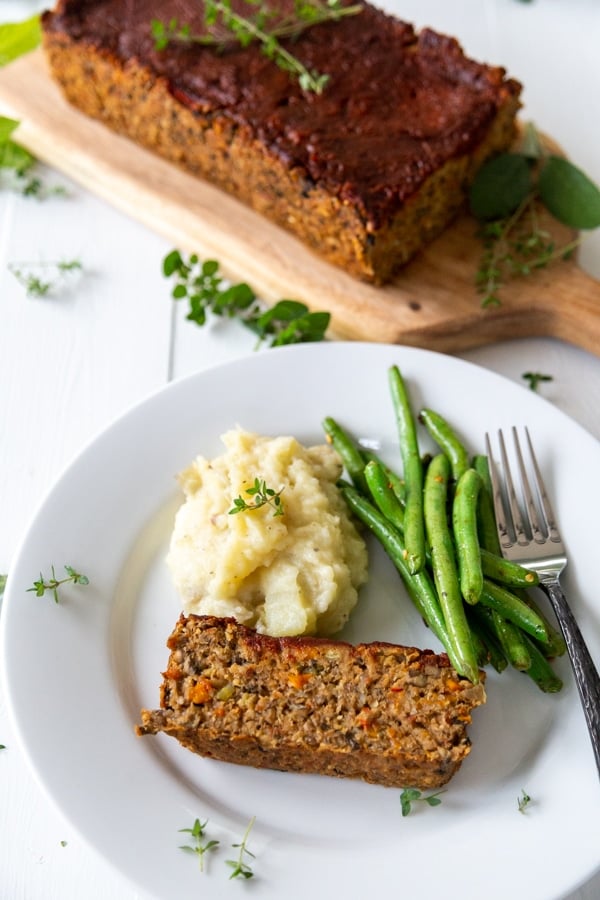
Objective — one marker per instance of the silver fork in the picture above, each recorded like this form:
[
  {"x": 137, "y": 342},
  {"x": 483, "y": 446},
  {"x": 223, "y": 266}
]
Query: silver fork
[{"x": 534, "y": 541}]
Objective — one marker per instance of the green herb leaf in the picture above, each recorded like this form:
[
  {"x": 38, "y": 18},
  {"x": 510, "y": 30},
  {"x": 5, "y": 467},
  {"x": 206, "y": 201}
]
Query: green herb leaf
[
  {"x": 261, "y": 496},
  {"x": 287, "y": 322},
  {"x": 523, "y": 801},
  {"x": 569, "y": 194},
  {"x": 265, "y": 25},
  {"x": 199, "y": 848},
  {"x": 412, "y": 795},
  {"x": 17, "y": 38},
  {"x": 53, "y": 584},
  {"x": 42, "y": 278},
  {"x": 3, "y": 580},
  {"x": 534, "y": 379},
  {"x": 500, "y": 186},
  {"x": 240, "y": 868}
]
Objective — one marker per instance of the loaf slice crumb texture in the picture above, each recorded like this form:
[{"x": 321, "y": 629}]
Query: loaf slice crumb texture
[
  {"x": 387, "y": 714},
  {"x": 366, "y": 173}
]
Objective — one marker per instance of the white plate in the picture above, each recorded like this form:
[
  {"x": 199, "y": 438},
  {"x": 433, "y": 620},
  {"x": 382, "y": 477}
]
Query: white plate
[{"x": 78, "y": 672}]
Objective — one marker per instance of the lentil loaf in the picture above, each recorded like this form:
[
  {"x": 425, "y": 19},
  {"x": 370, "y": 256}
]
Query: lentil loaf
[
  {"x": 387, "y": 714},
  {"x": 365, "y": 173}
]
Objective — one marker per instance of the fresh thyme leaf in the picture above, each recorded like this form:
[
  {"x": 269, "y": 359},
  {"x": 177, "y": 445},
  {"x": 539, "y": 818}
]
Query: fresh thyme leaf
[
  {"x": 287, "y": 322},
  {"x": 534, "y": 379},
  {"x": 240, "y": 868},
  {"x": 569, "y": 194},
  {"x": 17, "y": 38},
  {"x": 412, "y": 795},
  {"x": 2, "y": 746},
  {"x": 43, "y": 278},
  {"x": 3, "y": 580},
  {"x": 199, "y": 848},
  {"x": 501, "y": 185},
  {"x": 523, "y": 801},
  {"x": 53, "y": 584},
  {"x": 261, "y": 496},
  {"x": 265, "y": 25}
]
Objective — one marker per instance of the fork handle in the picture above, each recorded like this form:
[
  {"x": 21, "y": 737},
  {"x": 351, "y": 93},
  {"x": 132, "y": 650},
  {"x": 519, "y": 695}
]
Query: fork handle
[{"x": 586, "y": 673}]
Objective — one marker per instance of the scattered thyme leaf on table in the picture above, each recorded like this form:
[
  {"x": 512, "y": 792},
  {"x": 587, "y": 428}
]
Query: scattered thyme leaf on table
[
  {"x": 535, "y": 378},
  {"x": 200, "y": 846},
  {"x": 43, "y": 278},
  {"x": 412, "y": 795},
  {"x": 54, "y": 584},
  {"x": 506, "y": 197},
  {"x": 287, "y": 322},
  {"x": 523, "y": 801},
  {"x": 261, "y": 496},
  {"x": 265, "y": 25},
  {"x": 240, "y": 868}
]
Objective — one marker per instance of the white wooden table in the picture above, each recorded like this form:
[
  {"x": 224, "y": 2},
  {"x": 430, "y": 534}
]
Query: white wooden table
[{"x": 72, "y": 363}]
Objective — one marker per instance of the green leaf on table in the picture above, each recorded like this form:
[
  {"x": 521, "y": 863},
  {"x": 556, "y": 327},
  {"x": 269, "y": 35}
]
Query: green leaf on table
[
  {"x": 13, "y": 156},
  {"x": 500, "y": 186},
  {"x": 18, "y": 38},
  {"x": 569, "y": 194}
]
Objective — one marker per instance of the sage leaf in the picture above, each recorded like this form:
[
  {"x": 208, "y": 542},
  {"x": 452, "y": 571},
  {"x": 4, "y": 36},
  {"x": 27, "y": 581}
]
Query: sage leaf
[
  {"x": 568, "y": 194},
  {"x": 500, "y": 186},
  {"x": 17, "y": 38}
]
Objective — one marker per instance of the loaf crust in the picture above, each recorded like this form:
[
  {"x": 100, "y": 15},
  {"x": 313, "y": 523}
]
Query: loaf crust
[
  {"x": 365, "y": 174},
  {"x": 389, "y": 715}
]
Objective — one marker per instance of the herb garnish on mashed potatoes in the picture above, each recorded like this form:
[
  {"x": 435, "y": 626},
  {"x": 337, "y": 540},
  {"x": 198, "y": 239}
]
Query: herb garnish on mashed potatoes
[{"x": 290, "y": 574}]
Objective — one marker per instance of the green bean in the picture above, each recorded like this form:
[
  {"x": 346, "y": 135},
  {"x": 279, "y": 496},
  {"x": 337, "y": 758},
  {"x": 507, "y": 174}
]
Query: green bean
[
  {"x": 419, "y": 586},
  {"x": 464, "y": 526},
  {"x": 541, "y": 671},
  {"x": 514, "y": 609},
  {"x": 447, "y": 440},
  {"x": 486, "y": 517},
  {"x": 414, "y": 529},
  {"x": 383, "y": 494},
  {"x": 348, "y": 451},
  {"x": 556, "y": 645},
  {"x": 395, "y": 481},
  {"x": 512, "y": 642},
  {"x": 443, "y": 563},
  {"x": 480, "y": 618},
  {"x": 506, "y": 571}
]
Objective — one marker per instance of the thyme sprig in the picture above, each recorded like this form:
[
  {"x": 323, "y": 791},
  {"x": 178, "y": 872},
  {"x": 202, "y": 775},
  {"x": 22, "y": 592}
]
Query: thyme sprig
[
  {"x": 506, "y": 198},
  {"x": 535, "y": 378},
  {"x": 413, "y": 795},
  {"x": 261, "y": 496},
  {"x": 240, "y": 868},
  {"x": 200, "y": 846},
  {"x": 264, "y": 25},
  {"x": 287, "y": 322},
  {"x": 523, "y": 801},
  {"x": 53, "y": 584},
  {"x": 43, "y": 278}
]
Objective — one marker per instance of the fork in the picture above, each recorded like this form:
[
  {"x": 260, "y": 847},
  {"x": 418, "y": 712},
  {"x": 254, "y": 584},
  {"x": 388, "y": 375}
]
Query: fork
[{"x": 533, "y": 540}]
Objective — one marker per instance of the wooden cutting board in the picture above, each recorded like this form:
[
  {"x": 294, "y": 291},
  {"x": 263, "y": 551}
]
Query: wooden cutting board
[{"x": 432, "y": 304}]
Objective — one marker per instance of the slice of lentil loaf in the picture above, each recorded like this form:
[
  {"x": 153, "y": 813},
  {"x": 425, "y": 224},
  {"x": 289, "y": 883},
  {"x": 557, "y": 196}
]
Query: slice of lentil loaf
[{"x": 387, "y": 714}]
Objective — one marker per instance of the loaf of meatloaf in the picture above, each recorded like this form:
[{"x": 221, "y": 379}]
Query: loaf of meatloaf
[
  {"x": 390, "y": 715},
  {"x": 365, "y": 173}
]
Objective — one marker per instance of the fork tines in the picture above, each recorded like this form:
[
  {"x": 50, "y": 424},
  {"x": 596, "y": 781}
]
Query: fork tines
[{"x": 534, "y": 519}]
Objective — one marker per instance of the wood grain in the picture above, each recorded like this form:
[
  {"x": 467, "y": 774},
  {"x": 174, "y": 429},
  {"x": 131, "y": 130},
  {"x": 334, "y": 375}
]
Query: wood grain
[{"x": 432, "y": 304}]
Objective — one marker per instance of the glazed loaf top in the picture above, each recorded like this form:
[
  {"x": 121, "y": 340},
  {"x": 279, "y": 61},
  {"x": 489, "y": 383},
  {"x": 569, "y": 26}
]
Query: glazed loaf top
[{"x": 397, "y": 107}]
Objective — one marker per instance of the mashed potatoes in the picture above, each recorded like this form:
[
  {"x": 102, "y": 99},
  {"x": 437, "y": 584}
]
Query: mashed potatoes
[{"x": 289, "y": 574}]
